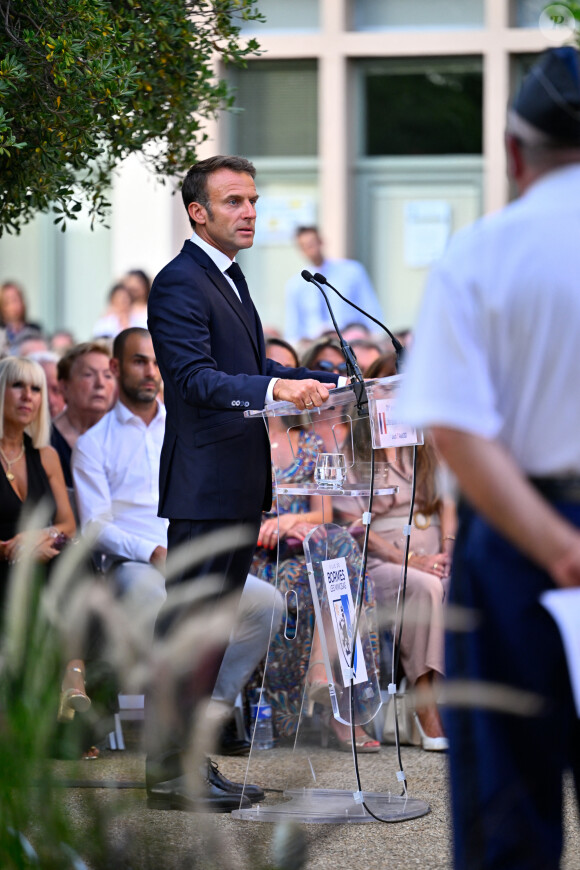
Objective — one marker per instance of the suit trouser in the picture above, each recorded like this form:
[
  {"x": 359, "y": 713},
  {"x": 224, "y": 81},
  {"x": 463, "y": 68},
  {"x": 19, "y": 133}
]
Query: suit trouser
[
  {"x": 171, "y": 709},
  {"x": 507, "y": 770}
]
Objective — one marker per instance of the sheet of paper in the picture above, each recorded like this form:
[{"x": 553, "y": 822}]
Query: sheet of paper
[
  {"x": 343, "y": 618},
  {"x": 564, "y": 607},
  {"x": 427, "y": 228},
  {"x": 280, "y": 216}
]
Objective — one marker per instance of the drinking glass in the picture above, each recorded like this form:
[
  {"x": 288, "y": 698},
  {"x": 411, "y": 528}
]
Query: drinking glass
[{"x": 330, "y": 471}]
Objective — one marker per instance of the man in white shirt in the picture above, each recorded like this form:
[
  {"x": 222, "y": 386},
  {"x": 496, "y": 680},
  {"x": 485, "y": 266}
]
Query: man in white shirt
[
  {"x": 306, "y": 311},
  {"x": 494, "y": 371},
  {"x": 116, "y": 474},
  {"x": 115, "y": 468}
]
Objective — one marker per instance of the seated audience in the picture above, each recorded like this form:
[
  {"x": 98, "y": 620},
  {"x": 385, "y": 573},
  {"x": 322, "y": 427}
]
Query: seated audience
[
  {"x": 13, "y": 318},
  {"x": 48, "y": 359},
  {"x": 29, "y": 340},
  {"x": 366, "y": 351},
  {"x": 61, "y": 341},
  {"x": 117, "y": 316},
  {"x": 355, "y": 332},
  {"x": 115, "y": 468},
  {"x": 259, "y": 612},
  {"x": 32, "y": 474},
  {"x": 281, "y": 351},
  {"x": 431, "y": 547},
  {"x": 31, "y": 470},
  {"x": 138, "y": 285},
  {"x": 291, "y": 519},
  {"x": 88, "y": 387},
  {"x": 405, "y": 336},
  {"x": 325, "y": 355}
]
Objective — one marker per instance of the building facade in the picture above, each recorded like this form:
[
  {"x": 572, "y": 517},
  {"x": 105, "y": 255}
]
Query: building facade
[{"x": 379, "y": 120}]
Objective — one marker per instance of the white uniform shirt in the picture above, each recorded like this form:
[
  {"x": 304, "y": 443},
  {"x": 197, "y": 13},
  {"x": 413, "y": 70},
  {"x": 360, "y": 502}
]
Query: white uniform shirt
[
  {"x": 115, "y": 467},
  {"x": 306, "y": 311},
  {"x": 497, "y": 346}
]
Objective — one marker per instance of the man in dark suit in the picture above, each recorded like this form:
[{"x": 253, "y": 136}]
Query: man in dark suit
[{"x": 215, "y": 464}]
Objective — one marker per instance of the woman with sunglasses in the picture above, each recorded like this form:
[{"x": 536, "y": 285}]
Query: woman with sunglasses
[{"x": 325, "y": 355}]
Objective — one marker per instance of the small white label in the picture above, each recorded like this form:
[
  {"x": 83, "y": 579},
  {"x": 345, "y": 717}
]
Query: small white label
[{"x": 390, "y": 433}]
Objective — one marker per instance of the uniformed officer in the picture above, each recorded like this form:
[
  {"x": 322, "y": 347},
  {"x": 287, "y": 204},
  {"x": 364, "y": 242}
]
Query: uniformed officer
[{"x": 493, "y": 372}]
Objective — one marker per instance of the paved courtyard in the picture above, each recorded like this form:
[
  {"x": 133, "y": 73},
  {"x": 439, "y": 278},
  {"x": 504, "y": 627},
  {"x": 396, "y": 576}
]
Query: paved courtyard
[{"x": 157, "y": 839}]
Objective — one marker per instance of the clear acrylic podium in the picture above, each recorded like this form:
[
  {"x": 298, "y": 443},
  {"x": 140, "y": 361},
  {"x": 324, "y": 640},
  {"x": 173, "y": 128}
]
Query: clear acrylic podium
[{"x": 301, "y": 776}]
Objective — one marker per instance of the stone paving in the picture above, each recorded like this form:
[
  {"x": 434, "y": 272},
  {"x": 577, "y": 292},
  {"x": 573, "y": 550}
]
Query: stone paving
[{"x": 168, "y": 840}]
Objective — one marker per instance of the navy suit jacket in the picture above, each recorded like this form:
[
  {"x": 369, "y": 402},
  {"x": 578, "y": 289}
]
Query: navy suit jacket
[{"x": 215, "y": 463}]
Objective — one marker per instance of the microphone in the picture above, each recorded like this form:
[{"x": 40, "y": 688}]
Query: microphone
[
  {"x": 352, "y": 366},
  {"x": 399, "y": 349}
]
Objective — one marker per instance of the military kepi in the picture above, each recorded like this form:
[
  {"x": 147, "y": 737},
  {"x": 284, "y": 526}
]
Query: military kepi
[{"x": 549, "y": 98}]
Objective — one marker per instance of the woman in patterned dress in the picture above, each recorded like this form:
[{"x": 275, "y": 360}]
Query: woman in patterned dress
[{"x": 294, "y": 452}]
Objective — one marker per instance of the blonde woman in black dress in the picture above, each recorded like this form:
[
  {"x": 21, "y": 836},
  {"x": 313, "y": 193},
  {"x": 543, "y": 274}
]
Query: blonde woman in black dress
[{"x": 31, "y": 473}]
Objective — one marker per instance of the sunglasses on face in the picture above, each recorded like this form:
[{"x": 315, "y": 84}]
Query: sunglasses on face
[{"x": 324, "y": 365}]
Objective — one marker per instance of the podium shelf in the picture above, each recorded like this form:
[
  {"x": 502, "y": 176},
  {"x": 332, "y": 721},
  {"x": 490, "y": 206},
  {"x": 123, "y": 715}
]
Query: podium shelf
[{"x": 347, "y": 489}]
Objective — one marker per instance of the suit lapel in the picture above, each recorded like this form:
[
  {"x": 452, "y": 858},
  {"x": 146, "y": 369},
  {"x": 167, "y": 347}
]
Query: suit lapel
[{"x": 223, "y": 285}]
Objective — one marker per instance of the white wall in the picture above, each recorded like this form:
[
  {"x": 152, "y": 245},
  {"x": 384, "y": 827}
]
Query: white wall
[{"x": 142, "y": 220}]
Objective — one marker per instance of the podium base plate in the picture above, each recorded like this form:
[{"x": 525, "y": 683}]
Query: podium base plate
[{"x": 321, "y": 806}]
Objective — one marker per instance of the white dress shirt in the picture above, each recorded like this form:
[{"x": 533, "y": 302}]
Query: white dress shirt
[
  {"x": 306, "y": 311},
  {"x": 497, "y": 344},
  {"x": 115, "y": 467}
]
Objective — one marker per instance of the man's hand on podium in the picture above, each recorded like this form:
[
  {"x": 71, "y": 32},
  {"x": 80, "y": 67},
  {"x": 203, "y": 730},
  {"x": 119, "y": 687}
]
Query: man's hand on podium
[{"x": 304, "y": 394}]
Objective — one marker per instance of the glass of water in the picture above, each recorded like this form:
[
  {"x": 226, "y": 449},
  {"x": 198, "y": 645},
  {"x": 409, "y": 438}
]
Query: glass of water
[{"x": 330, "y": 471}]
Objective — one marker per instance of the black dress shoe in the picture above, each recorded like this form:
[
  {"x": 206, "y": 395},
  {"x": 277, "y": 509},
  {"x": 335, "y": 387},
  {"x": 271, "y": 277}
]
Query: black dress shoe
[
  {"x": 229, "y": 743},
  {"x": 173, "y": 794},
  {"x": 217, "y": 779}
]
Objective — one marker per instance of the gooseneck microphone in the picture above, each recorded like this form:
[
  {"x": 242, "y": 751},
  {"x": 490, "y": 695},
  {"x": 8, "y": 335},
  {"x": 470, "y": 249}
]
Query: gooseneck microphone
[
  {"x": 352, "y": 366},
  {"x": 399, "y": 349}
]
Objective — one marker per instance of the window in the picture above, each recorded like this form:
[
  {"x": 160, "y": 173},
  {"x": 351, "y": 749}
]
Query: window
[
  {"x": 417, "y": 14},
  {"x": 520, "y": 65},
  {"x": 287, "y": 15},
  {"x": 423, "y": 106},
  {"x": 278, "y": 109},
  {"x": 526, "y": 13}
]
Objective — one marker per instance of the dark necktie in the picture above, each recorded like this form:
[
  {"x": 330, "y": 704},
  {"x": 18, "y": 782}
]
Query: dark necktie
[{"x": 237, "y": 277}]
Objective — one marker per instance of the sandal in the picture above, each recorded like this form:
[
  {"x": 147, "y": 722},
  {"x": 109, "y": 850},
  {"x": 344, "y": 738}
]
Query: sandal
[
  {"x": 317, "y": 691},
  {"x": 91, "y": 754},
  {"x": 363, "y": 742},
  {"x": 72, "y": 699}
]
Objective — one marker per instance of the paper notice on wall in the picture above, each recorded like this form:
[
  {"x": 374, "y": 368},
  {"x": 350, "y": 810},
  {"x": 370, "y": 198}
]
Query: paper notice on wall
[
  {"x": 343, "y": 618},
  {"x": 427, "y": 229},
  {"x": 389, "y": 433},
  {"x": 280, "y": 216},
  {"x": 564, "y": 607}
]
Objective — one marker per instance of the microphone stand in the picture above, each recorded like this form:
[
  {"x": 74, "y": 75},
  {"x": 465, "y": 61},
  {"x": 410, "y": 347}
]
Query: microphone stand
[
  {"x": 399, "y": 349},
  {"x": 352, "y": 366}
]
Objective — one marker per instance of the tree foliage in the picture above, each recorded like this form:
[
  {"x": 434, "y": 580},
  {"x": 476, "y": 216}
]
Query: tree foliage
[{"x": 85, "y": 83}]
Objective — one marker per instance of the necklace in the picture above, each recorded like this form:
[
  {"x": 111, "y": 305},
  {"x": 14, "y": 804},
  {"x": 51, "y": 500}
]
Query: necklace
[{"x": 11, "y": 462}]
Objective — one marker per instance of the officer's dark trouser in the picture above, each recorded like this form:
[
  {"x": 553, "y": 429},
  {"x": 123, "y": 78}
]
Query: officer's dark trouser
[{"x": 506, "y": 770}]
